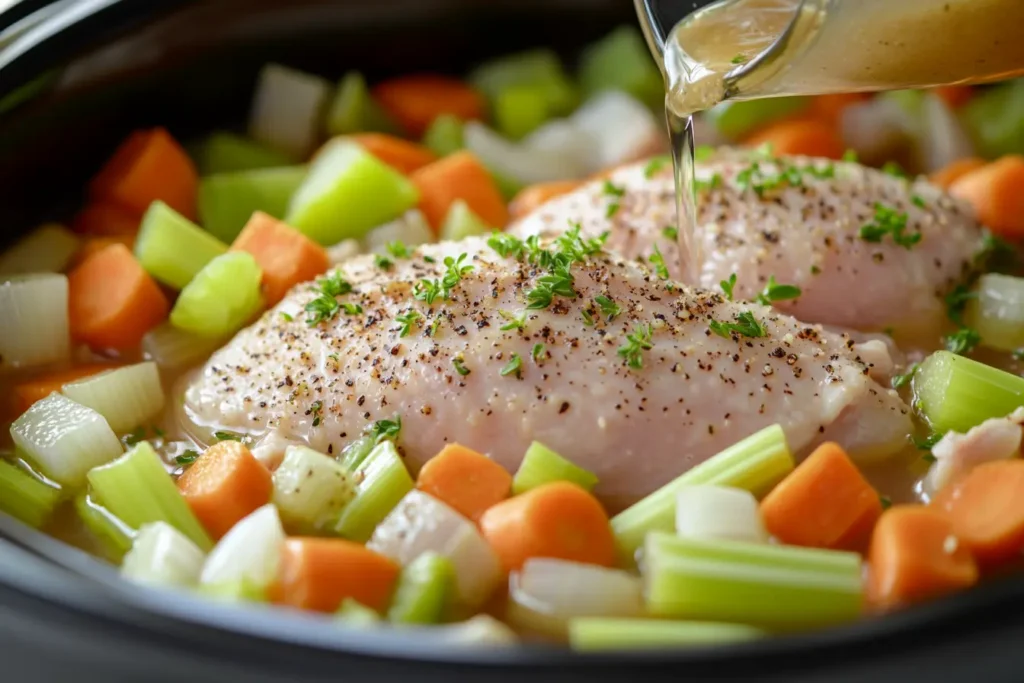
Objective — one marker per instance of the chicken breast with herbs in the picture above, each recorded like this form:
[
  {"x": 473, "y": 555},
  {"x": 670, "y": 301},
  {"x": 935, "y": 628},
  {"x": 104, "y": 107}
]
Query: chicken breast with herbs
[
  {"x": 625, "y": 373},
  {"x": 866, "y": 249}
]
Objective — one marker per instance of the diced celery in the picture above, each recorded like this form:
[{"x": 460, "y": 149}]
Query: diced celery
[
  {"x": 311, "y": 489},
  {"x": 541, "y": 465},
  {"x": 356, "y": 453},
  {"x": 224, "y": 152},
  {"x": 25, "y": 497},
  {"x": 248, "y": 556},
  {"x": 711, "y": 512},
  {"x": 540, "y": 69},
  {"x": 461, "y": 222},
  {"x": 65, "y": 439},
  {"x": 735, "y": 120},
  {"x": 997, "y": 313},
  {"x": 600, "y": 634},
  {"x": 755, "y": 583},
  {"x": 226, "y": 201},
  {"x": 47, "y": 249},
  {"x": 353, "y": 109},
  {"x": 611, "y": 128},
  {"x": 755, "y": 464},
  {"x": 174, "y": 349},
  {"x": 137, "y": 489},
  {"x": 995, "y": 119},
  {"x": 424, "y": 588},
  {"x": 34, "y": 310},
  {"x": 172, "y": 248},
  {"x": 956, "y": 393},
  {"x": 421, "y": 523},
  {"x": 162, "y": 556},
  {"x": 444, "y": 136},
  {"x": 411, "y": 229},
  {"x": 126, "y": 397},
  {"x": 383, "y": 481},
  {"x": 113, "y": 536},
  {"x": 354, "y": 613},
  {"x": 348, "y": 192},
  {"x": 234, "y": 591},
  {"x": 520, "y": 109},
  {"x": 221, "y": 298},
  {"x": 508, "y": 186},
  {"x": 288, "y": 109},
  {"x": 622, "y": 61}
]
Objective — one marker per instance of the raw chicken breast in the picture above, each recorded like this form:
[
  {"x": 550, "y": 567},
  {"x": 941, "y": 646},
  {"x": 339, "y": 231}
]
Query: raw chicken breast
[
  {"x": 804, "y": 231},
  {"x": 465, "y": 373}
]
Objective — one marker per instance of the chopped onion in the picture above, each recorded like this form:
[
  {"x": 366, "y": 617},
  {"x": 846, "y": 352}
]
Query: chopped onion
[
  {"x": 997, "y": 313},
  {"x": 174, "y": 349},
  {"x": 878, "y": 130},
  {"x": 546, "y": 593},
  {"x": 943, "y": 139},
  {"x": 65, "y": 439},
  {"x": 343, "y": 251},
  {"x": 163, "y": 556},
  {"x": 249, "y": 554},
  {"x": 127, "y": 397},
  {"x": 288, "y": 108},
  {"x": 47, "y": 249},
  {"x": 526, "y": 165},
  {"x": 411, "y": 228},
  {"x": 566, "y": 138},
  {"x": 710, "y": 512},
  {"x": 622, "y": 128},
  {"x": 34, "y": 311},
  {"x": 420, "y": 523},
  {"x": 483, "y": 629}
]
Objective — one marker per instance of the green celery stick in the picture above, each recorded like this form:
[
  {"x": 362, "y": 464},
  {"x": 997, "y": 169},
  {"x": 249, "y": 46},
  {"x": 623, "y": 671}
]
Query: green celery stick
[
  {"x": 172, "y": 248},
  {"x": 223, "y": 152},
  {"x": 602, "y": 634},
  {"x": 111, "y": 535},
  {"x": 226, "y": 201},
  {"x": 541, "y": 465},
  {"x": 221, "y": 298},
  {"x": 622, "y": 61},
  {"x": 519, "y": 110},
  {"x": 383, "y": 481},
  {"x": 460, "y": 222},
  {"x": 354, "y": 613},
  {"x": 540, "y": 69},
  {"x": 25, "y": 497},
  {"x": 957, "y": 393},
  {"x": 995, "y": 119},
  {"x": 424, "y": 589},
  {"x": 356, "y": 452},
  {"x": 353, "y": 109},
  {"x": 997, "y": 313},
  {"x": 444, "y": 136},
  {"x": 735, "y": 120}
]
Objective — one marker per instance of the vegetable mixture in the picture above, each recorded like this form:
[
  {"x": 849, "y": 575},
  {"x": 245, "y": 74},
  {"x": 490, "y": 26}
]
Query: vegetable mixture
[{"x": 323, "y": 215}]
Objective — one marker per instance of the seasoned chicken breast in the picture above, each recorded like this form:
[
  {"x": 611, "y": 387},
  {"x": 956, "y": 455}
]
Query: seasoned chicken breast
[
  {"x": 629, "y": 375},
  {"x": 868, "y": 250}
]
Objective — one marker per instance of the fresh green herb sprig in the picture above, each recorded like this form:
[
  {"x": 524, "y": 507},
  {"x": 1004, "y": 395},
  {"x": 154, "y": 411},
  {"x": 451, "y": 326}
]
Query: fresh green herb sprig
[
  {"x": 515, "y": 322},
  {"x": 637, "y": 341},
  {"x": 316, "y": 411},
  {"x": 513, "y": 367},
  {"x": 385, "y": 430},
  {"x": 900, "y": 381},
  {"x": 608, "y": 307},
  {"x": 773, "y": 292},
  {"x": 745, "y": 325},
  {"x": 889, "y": 221},
  {"x": 187, "y": 458},
  {"x": 658, "y": 261},
  {"x": 460, "y": 366},
  {"x": 325, "y": 306},
  {"x": 728, "y": 286}
]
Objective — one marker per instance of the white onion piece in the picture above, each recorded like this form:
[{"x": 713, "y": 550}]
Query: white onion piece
[
  {"x": 943, "y": 140},
  {"x": 343, "y": 251},
  {"x": 878, "y": 130},
  {"x": 420, "y": 523},
  {"x": 272, "y": 447},
  {"x": 564, "y": 137},
  {"x": 481, "y": 630},
  {"x": 623, "y": 128},
  {"x": 47, "y": 249},
  {"x": 127, "y": 397},
  {"x": 528, "y": 165},
  {"x": 287, "y": 109},
  {"x": 34, "y": 315},
  {"x": 174, "y": 349},
  {"x": 249, "y": 554},
  {"x": 411, "y": 228},
  {"x": 719, "y": 512},
  {"x": 163, "y": 556},
  {"x": 547, "y": 592}
]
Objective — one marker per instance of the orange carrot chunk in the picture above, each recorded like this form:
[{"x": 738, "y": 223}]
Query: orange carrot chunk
[
  {"x": 28, "y": 392},
  {"x": 949, "y": 174},
  {"x": 285, "y": 255},
  {"x": 112, "y": 301},
  {"x": 824, "y": 503},
  {"x": 415, "y": 101},
  {"x": 559, "y": 520},
  {"x": 955, "y": 96},
  {"x": 459, "y": 176},
  {"x": 986, "y": 509},
  {"x": 469, "y": 482},
  {"x": 106, "y": 219},
  {"x": 149, "y": 165},
  {"x": 802, "y": 136},
  {"x": 531, "y": 197},
  {"x": 224, "y": 485},
  {"x": 915, "y": 556},
  {"x": 320, "y": 573},
  {"x": 402, "y": 155},
  {"x": 996, "y": 192},
  {"x": 829, "y": 108},
  {"x": 92, "y": 245}
]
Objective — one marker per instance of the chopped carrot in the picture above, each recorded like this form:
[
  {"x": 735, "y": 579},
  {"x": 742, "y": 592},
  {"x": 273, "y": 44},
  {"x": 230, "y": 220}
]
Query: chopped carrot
[
  {"x": 92, "y": 245},
  {"x": 559, "y": 520},
  {"x": 149, "y": 165},
  {"x": 955, "y": 96},
  {"x": 529, "y": 198},
  {"x": 285, "y": 255},
  {"x": 949, "y": 174},
  {"x": 986, "y": 509},
  {"x": 914, "y": 556},
  {"x": 824, "y": 503},
  {"x": 801, "y": 136},
  {"x": 459, "y": 176},
  {"x": 112, "y": 301},
  {"x": 996, "y": 192},
  {"x": 106, "y": 219},
  {"x": 469, "y": 482},
  {"x": 224, "y": 485},
  {"x": 829, "y": 108},
  {"x": 320, "y": 573},
  {"x": 28, "y": 392},
  {"x": 402, "y": 155},
  {"x": 415, "y": 101}
]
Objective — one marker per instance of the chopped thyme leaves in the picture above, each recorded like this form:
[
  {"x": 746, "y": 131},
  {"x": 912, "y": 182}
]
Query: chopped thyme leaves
[
  {"x": 739, "y": 59},
  {"x": 429, "y": 259},
  {"x": 956, "y": 300},
  {"x": 613, "y": 209},
  {"x": 815, "y": 270},
  {"x": 426, "y": 290},
  {"x": 703, "y": 152},
  {"x": 453, "y": 273},
  {"x": 506, "y": 245},
  {"x": 638, "y": 341},
  {"x": 287, "y": 317},
  {"x": 885, "y": 501},
  {"x": 655, "y": 165},
  {"x": 889, "y": 221},
  {"x": 316, "y": 409},
  {"x": 513, "y": 367},
  {"x": 773, "y": 292},
  {"x": 711, "y": 183},
  {"x": 383, "y": 262},
  {"x": 727, "y": 286},
  {"x": 460, "y": 366},
  {"x": 894, "y": 169},
  {"x": 230, "y": 436},
  {"x": 917, "y": 201},
  {"x": 187, "y": 458},
  {"x": 670, "y": 233},
  {"x": 397, "y": 249},
  {"x": 588, "y": 319},
  {"x": 537, "y": 353},
  {"x": 608, "y": 307},
  {"x": 515, "y": 322},
  {"x": 658, "y": 261},
  {"x": 850, "y": 156},
  {"x": 926, "y": 443},
  {"x": 746, "y": 325},
  {"x": 351, "y": 309},
  {"x": 385, "y": 430},
  {"x": 612, "y": 190},
  {"x": 963, "y": 341},
  {"x": 900, "y": 381},
  {"x": 325, "y": 306},
  {"x": 407, "y": 321}
]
